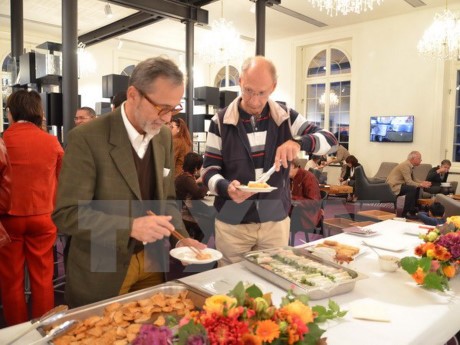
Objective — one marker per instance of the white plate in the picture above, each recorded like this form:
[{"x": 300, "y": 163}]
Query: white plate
[
  {"x": 391, "y": 244},
  {"x": 256, "y": 190},
  {"x": 185, "y": 254},
  {"x": 422, "y": 229},
  {"x": 360, "y": 231}
]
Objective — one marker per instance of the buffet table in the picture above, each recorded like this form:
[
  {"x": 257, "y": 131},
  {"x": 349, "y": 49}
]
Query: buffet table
[{"x": 416, "y": 316}]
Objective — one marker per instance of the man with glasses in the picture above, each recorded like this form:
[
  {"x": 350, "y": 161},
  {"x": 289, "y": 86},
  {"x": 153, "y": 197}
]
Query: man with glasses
[
  {"x": 246, "y": 139},
  {"x": 84, "y": 115},
  {"x": 117, "y": 168}
]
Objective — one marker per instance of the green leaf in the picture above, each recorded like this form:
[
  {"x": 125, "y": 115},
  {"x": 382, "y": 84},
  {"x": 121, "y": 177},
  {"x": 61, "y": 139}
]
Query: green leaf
[
  {"x": 425, "y": 264},
  {"x": 333, "y": 306},
  {"x": 409, "y": 264},
  {"x": 434, "y": 281},
  {"x": 254, "y": 291},
  {"x": 314, "y": 333},
  {"x": 190, "y": 329},
  {"x": 239, "y": 293}
]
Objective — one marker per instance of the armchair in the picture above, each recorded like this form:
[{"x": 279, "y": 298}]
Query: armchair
[
  {"x": 367, "y": 192},
  {"x": 384, "y": 170}
]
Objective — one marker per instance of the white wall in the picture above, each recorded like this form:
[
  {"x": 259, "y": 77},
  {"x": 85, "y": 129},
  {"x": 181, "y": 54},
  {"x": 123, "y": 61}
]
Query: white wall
[{"x": 388, "y": 78}]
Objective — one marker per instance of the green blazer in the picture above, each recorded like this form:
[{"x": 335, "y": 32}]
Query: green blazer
[{"x": 99, "y": 196}]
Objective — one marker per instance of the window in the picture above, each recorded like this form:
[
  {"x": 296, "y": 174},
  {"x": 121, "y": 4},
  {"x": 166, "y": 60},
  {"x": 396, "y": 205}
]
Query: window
[
  {"x": 456, "y": 141},
  {"x": 222, "y": 79},
  {"x": 328, "y": 84}
]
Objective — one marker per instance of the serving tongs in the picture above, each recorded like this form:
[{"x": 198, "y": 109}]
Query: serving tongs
[
  {"x": 47, "y": 319},
  {"x": 266, "y": 175},
  {"x": 63, "y": 328}
]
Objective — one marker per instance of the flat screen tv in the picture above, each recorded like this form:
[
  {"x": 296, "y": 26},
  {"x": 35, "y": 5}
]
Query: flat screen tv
[{"x": 393, "y": 129}]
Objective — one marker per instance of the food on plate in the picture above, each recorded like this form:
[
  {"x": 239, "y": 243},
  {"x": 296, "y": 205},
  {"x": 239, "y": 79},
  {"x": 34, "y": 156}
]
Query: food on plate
[
  {"x": 253, "y": 184},
  {"x": 343, "y": 252},
  {"x": 121, "y": 322},
  {"x": 203, "y": 256}
]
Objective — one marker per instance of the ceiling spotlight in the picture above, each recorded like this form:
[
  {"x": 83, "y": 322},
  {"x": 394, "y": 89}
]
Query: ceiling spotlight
[
  {"x": 108, "y": 10},
  {"x": 120, "y": 44}
]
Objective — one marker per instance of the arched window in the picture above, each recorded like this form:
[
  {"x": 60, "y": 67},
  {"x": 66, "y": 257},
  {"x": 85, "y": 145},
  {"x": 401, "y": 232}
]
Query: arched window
[
  {"x": 222, "y": 80},
  {"x": 328, "y": 82}
]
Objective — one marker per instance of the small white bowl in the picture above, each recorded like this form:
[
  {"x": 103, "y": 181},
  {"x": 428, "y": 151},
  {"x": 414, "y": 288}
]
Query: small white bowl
[
  {"x": 389, "y": 263},
  {"x": 445, "y": 184}
]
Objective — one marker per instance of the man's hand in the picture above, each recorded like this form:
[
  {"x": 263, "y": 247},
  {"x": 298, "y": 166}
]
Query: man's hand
[
  {"x": 425, "y": 184},
  {"x": 237, "y": 195},
  {"x": 151, "y": 228},
  {"x": 285, "y": 153}
]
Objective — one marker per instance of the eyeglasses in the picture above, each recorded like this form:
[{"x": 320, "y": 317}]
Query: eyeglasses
[
  {"x": 162, "y": 110},
  {"x": 251, "y": 93}
]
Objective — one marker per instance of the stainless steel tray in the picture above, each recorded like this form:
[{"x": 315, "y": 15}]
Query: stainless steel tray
[
  {"x": 97, "y": 309},
  {"x": 314, "y": 293}
]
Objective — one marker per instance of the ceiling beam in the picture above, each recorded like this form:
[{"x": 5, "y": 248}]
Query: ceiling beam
[
  {"x": 297, "y": 15},
  {"x": 120, "y": 27},
  {"x": 167, "y": 8}
]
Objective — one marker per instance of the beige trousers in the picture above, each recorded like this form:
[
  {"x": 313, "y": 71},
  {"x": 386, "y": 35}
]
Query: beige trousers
[{"x": 235, "y": 240}]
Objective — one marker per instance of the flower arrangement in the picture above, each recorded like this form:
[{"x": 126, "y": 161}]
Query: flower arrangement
[
  {"x": 248, "y": 317},
  {"x": 438, "y": 256}
]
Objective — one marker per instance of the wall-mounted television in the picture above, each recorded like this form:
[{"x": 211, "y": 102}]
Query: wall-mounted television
[{"x": 393, "y": 129}]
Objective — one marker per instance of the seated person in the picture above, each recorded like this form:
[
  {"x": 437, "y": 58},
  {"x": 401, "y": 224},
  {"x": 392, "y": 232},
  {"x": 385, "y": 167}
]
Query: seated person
[
  {"x": 401, "y": 182},
  {"x": 306, "y": 197},
  {"x": 435, "y": 216},
  {"x": 315, "y": 163},
  {"x": 187, "y": 187},
  {"x": 438, "y": 175},
  {"x": 340, "y": 157},
  {"x": 348, "y": 178}
]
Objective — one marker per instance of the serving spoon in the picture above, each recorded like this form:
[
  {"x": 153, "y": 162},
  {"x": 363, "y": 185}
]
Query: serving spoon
[
  {"x": 64, "y": 327},
  {"x": 46, "y": 319}
]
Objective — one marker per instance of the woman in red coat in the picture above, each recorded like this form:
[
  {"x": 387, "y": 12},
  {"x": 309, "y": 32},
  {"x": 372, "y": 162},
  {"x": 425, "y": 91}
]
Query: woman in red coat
[{"x": 35, "y": 158}]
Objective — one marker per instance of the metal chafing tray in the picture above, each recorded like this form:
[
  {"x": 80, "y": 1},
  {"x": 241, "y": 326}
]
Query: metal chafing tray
[
  {"x": 314, "y": 293},
  {"x": 97, "y": 309}
]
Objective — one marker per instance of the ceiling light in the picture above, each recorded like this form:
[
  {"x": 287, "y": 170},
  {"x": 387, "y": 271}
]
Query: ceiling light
[
  {"x": 333, "y": 99},
  {"x": 120, "y": 44},
  {"x": 334, "y": 7},
  {"x": 223, "y": 43},
  {"x": 442, "y": 39},
  {"x": 108, "y": 10}
]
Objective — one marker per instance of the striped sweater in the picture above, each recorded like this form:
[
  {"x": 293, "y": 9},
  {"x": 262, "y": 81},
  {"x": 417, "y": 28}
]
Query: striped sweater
[{"x": 239, "y": 148}]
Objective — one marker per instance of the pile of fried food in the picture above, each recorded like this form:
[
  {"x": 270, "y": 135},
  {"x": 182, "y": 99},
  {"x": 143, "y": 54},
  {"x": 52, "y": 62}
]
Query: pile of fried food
[
  {"x": 253, "y": 184},
  {"x": 343, "y": 252},
  {"x": 121, "y": 322}
]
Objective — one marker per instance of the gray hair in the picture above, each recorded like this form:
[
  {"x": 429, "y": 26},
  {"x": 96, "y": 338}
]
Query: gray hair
[
  {"x": 258, "y": 59},
  {"x": 412, "y": 155},
  {"x": 147, "y": 71},
  {"x": 89, "y": 110}
]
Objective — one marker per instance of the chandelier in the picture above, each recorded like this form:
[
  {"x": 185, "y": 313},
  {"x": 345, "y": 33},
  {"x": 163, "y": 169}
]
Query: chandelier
[
  {"x": 333, "y": 99},
  {"x": 334, "y": 7},
  {"x": 442, "y": 39},
  {"x": 223, "y": 42},
  {"x": 86, "y": 62}
]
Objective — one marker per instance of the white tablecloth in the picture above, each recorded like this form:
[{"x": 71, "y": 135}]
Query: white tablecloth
[{"x": 418, "y": 316}]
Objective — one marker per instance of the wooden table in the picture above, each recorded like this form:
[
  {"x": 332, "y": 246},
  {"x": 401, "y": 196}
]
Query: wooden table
[
  {"x": 336, "y": 189},
  {"x": 377, "y": 214}
]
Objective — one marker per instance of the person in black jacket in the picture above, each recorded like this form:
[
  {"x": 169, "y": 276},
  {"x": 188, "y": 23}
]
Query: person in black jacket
[
  {"x": 438, "y": 175},
  {"x": 349, "y": 178}
]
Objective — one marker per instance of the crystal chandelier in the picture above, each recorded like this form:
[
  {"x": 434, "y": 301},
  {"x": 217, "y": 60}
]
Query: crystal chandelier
[
  {"x": 86, "y": 62},
  {"x": 334, "y": 7},
  {"x": 333, "y": 99},
  {"x": 222, "y": 43},
  {"x": 442, "y": 39}
]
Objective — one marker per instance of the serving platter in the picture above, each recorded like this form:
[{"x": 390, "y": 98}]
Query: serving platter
[{"x": 302, "y": 272}]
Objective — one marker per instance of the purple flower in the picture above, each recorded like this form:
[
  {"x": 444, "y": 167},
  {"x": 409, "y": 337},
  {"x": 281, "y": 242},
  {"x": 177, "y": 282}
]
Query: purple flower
[
  {"x": 153, "y": 335},
  {"x": 451, "y": 241},
  {"x": 196, "y": 340}
]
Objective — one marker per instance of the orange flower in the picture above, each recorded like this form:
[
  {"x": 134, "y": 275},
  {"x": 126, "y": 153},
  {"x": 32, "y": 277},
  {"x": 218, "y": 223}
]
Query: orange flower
[
  {"x": 267, "y": 330},
  {"x": 449, "y": 271},
  {"x": 301, "y": 310},
  {"x": 250, "y": 339},
  {"x": 419, "y": 276}
]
